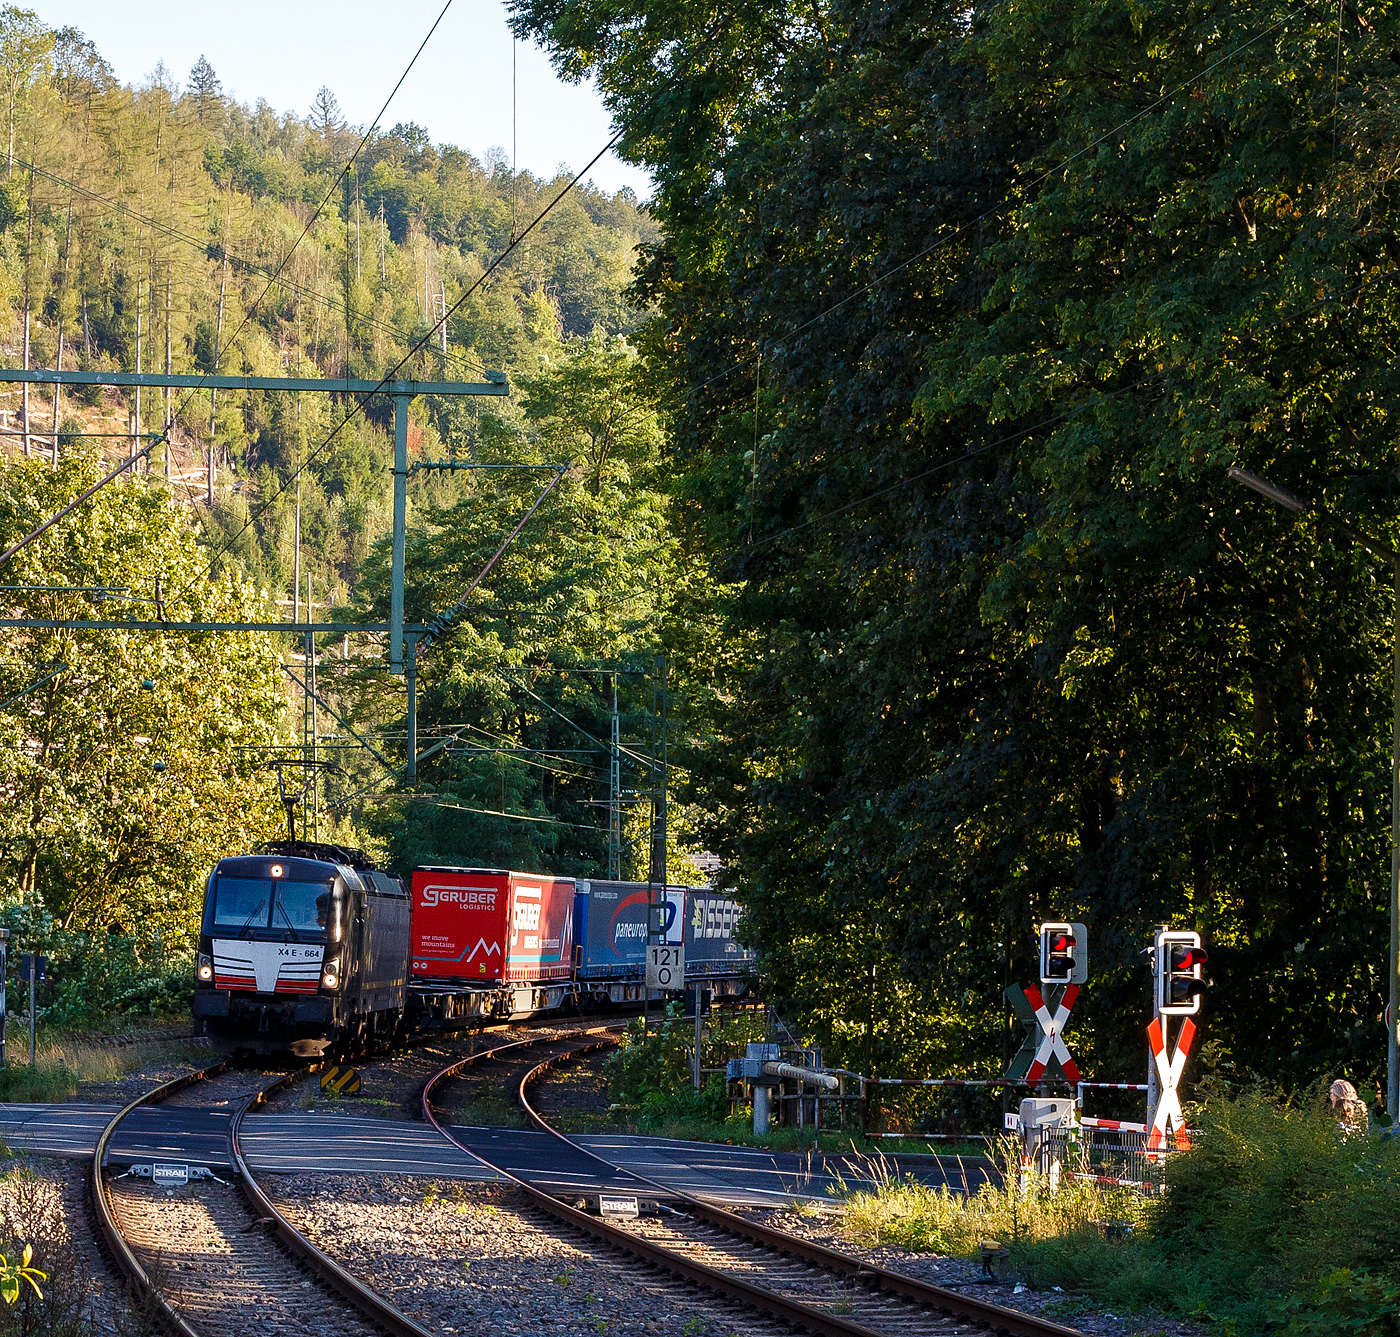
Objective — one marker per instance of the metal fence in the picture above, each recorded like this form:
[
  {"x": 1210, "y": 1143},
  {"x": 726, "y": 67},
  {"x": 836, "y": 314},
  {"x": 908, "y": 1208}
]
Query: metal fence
[{"x": 1109, "y": 1157}]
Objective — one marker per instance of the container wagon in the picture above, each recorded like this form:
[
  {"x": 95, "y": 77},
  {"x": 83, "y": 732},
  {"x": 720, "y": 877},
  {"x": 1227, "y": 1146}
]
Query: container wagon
[
  {"x": 714, "y": 960},
  {"x": 610, "y": 937},
  {"x": 610, "y": 920},
  {"x": 488, "y": 942}
]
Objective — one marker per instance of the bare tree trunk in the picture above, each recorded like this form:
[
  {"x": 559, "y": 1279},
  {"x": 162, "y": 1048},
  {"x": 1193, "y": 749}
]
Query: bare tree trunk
[
  {"x": 28, "y": 244},
  {"x": 167, "y": 367},
  {"x": 62, "y": 295},
  {"x": 136, "y": 415},
  {"x": 219, "y": 333}
]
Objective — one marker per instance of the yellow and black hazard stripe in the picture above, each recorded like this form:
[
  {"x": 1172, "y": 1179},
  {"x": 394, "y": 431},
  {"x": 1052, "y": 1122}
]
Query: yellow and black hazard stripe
[{"x": 340, "y": 1081}]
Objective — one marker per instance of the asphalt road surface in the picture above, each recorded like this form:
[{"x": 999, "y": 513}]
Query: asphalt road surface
[{"x": 336, "y": 1143}]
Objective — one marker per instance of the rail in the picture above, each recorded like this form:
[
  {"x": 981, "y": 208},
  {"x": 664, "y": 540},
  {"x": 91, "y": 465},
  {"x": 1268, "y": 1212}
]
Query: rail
[
  {"x": 137, "y": 1277},
  {"x": 995, "y": 1317},
  {"x": 368, "y": 1302},
  {"x": 790, "y": 1311}
]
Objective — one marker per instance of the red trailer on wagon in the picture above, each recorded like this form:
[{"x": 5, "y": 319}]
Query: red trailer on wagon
[{"x": 489, "y": 942}]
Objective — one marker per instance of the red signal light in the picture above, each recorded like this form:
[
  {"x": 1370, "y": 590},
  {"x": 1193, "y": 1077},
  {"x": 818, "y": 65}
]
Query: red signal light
[{"x": 1188, "y": 958}]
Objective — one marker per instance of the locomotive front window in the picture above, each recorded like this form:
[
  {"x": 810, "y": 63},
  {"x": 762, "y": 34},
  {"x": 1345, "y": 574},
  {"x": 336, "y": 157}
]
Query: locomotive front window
[
  {"x": 303, "y": 906},
  {"x": 242, "y": 902},
  {"x": 260, "y": 902}
]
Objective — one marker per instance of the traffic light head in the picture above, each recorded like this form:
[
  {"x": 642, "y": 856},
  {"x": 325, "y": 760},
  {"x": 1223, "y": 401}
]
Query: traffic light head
[
  {"x": 1064, "y": 954},
  {"x": 1177, "y": 971}
]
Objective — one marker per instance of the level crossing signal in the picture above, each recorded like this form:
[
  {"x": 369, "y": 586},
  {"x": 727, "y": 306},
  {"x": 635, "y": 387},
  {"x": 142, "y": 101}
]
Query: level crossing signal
[
  {"x": 1064, "y": 954},
  {"x": 1177, "y": 966}
]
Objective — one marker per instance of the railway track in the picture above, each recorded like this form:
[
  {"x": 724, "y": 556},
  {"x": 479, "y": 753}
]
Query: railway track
[
  {"x": 802, "y": 1284},
  {"x": 222, "y": 1260}
]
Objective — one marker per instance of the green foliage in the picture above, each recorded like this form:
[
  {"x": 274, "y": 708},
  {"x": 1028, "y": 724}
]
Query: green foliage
[
  {"x": 122, "y": 795},
  {"x": 650, "y": 1073},
  {"x": 1274, "y": 1220},
  {"x": 215, "y": 196},
  {"x": 17, "y": 1274},
  {"x": 589, "y": 585},
  {"x": 650, "y": 1076},
  {"x": 44, "y": 1083},
  {"x": 1346, "y": 1303},
  {"x": 1271, "y": 1200},
  {"x": 956, "y": 337}
]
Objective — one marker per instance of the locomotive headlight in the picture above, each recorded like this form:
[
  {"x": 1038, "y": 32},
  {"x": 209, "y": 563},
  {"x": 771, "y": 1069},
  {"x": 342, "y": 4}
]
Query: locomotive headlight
[
  {"x": 205, "y": 969},
  {"x": 330, "y": 980}
]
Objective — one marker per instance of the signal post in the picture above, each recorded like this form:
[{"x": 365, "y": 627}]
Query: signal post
[{"x": 1177, "y": 987}]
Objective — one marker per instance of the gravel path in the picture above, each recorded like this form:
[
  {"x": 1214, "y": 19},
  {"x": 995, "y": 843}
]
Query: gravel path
[{"x": 475, "y": 1259}]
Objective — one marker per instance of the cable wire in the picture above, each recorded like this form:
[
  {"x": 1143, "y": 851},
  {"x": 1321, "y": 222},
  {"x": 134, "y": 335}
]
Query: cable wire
[
  {"x": 236, "y": 261},
  {"x": 392, "y": 374},
  {"x": 330, "y": 193}
]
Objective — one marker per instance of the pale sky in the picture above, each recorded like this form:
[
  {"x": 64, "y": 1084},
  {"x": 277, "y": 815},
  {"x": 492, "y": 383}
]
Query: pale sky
[{"x": 459, "y": 91}]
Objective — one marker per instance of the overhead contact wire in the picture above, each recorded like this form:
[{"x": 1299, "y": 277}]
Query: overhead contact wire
[
  {"x": 330, "y": 193},
  {"x": 392, "y": 374}
]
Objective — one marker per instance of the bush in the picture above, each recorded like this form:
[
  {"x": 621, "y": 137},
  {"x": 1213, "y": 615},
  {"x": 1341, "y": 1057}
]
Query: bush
[
  {"x": 1274, "y": 1221},
  {"x": 650, "y": 1074},
  {"x": 97, "y": 979}
]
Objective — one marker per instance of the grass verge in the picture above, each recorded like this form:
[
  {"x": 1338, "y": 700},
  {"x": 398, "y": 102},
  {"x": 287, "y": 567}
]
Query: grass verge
[
  {"x": 64, "y": 1064},
  {"x": 1275, "y": 1221}
]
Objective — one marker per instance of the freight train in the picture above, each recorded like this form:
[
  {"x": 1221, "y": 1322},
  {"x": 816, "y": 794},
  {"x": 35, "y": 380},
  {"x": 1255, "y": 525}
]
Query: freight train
[{"x": 308, "y": 947}]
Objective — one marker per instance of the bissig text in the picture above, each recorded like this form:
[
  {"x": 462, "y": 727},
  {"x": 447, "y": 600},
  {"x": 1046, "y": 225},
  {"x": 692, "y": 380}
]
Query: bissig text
[{"x": 711, "y": 918}]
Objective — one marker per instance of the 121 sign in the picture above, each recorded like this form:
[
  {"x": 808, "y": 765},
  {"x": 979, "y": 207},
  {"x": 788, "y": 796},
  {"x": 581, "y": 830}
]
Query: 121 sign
[{"x": 666, "y": 967}]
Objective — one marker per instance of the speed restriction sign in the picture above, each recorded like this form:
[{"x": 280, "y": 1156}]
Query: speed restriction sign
[{"x": 666, "y": 967}]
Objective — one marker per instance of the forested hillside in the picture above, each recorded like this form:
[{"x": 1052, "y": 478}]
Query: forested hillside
[
  {"x": 964, "y": 313},
  {"x": 168, "y": 227},
  {"x": 143, "y": 226}
]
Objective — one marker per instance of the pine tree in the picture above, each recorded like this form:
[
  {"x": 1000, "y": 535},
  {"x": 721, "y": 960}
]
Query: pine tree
[
  {"x": 25, "y": 45},
  {"x": 205, "y": 89},
  {"x": 325, "y": 116}
]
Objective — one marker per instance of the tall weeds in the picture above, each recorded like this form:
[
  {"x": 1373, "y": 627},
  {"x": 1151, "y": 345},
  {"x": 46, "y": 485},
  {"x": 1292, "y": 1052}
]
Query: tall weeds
[
  {"x": 954, "y": 1218},
  {"x": 64, "y": 1065},
  {"x": 1276, "y": 1220}
]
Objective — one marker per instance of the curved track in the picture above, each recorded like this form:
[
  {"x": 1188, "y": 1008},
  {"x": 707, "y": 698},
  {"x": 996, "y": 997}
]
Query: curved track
[
  {"x": 202, "y": 1265},
  {"x": 802, "y": 1284}
]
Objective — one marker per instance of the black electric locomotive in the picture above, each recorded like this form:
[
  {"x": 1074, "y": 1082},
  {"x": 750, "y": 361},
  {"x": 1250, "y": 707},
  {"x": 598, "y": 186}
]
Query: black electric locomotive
[{"x": 304, "y": 946}]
